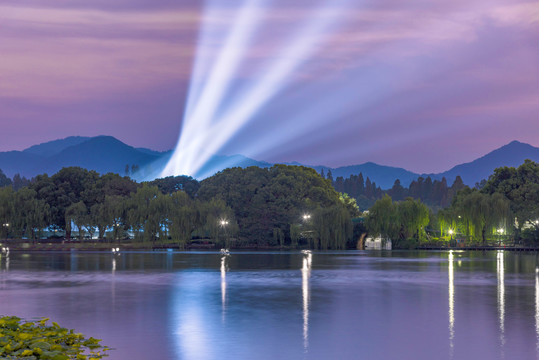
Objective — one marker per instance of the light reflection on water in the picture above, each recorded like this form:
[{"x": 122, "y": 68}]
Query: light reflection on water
[
  {"x": 224, "y": 269},
  {"x": 501, "y": 297},
  {"x": 537, "y": 308},
  {"x": 344, "y": 305},
  {"x": 305, "y": 276},
  {"x": 451, "y": 273}
]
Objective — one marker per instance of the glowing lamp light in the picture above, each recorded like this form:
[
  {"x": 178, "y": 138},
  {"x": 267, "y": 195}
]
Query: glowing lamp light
[
  {"x": 223, "y": 222},
  {"x": 306, "y": 217},
  {"x": 451, "y": 232},
  {"x": 500, "y": 230}
]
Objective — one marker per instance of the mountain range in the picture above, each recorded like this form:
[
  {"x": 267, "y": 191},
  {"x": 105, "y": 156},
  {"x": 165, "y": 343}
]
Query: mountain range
[{"x": 107, "y": 154}]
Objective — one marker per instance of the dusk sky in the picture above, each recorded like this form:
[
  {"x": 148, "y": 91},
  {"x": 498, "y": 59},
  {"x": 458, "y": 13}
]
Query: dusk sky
[{"x": 420, "y": 84}]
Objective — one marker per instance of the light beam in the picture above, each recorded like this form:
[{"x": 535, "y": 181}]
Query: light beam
[{"x": 205, "y": 129}]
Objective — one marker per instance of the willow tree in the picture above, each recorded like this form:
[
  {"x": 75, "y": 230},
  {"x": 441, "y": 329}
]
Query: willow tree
[
  {"x": 30, "y": 214},
  {"x": 77, "y": 214},
  {"x": 184, "y": 217},
  {"x": 141, "y": 213},
  {"x": 332, "y": 228},
  {"x": 480, "y": 214},
  {"x": 413, "y": 217},
  {"x": 382, "y": 219}
]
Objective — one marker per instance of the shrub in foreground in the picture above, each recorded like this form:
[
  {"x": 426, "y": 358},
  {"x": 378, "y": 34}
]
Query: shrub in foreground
[{"x": 30, "y": 340}]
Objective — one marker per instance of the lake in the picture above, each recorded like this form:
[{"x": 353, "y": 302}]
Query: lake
[{"x": 285, "y": 305}]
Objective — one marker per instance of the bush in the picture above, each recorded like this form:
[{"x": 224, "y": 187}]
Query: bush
[{"x": 37, "y": 340}]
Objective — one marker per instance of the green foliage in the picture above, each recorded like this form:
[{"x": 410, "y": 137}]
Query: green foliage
[
  {"x": 399, "y": 221},
  {"x": 435, "y": 193},
  {"x": 4, "y": 180},
  {"x": 270, "y": 202},
  {"x": 173, "y": 184},
  {"x": 521, "y": 187},
  {"x": 476, "y": 215},
  {"x": 37, "y": 340}
]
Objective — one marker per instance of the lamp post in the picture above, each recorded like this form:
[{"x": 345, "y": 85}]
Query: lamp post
[
  {"x": 500, "y": 232},
  {"x": 6, "y": 228},
  {"x": 224, "y": 223},
  {"x": 451, "y": 237}
]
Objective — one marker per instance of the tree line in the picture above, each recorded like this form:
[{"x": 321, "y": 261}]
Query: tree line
[
  {"x": 435, "y": 194},
  {"x": 279, "y": 206},
  {"x": 506, "y": 206}
]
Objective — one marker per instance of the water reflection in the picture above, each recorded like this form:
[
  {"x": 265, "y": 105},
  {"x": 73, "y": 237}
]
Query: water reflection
[
  {"x": 113, "y": 281},
  {"x": 74, "y": 261},
  {"x": 451, "y": 272},
  {"x": 537, "y": 310},
  {"x": 306, "y": 274},
  {"x": 5, "y": 257},
  {"x": 224, "y": 269},
  {"x": 501, "y": 295}
]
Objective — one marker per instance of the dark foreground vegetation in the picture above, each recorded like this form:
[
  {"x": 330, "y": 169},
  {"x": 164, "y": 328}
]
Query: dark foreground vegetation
[{"x": 281, "y": 206}]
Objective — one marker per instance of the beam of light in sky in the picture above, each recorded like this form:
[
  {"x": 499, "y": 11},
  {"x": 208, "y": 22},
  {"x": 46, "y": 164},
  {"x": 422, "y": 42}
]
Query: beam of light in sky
[
  {"x": 204, "y": 137},
  {"x": 206, "y": 93}
]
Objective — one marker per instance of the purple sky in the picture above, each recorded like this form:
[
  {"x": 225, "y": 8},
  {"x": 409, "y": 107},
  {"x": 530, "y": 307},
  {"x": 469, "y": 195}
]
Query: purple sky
[{"x": 421, "y": 84}]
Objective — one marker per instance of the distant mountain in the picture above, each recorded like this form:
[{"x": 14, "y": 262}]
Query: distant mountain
[
  {"x": 54, "y": 147},
  {"x": 107, "y": 154},
  {"x": 26, "y": 164},
  {"x": 153, "y": 152},
  {"x": 512, "y": 154},
  {"x": 101, "y": 153}
]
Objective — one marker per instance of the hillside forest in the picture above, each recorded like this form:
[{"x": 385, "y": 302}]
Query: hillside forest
[{"x": 281, "y": 206}]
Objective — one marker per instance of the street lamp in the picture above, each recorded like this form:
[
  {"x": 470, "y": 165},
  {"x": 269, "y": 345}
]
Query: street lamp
[
  {"x": 500, "y": 232},
  {"x": 306, "y": 217},
  {"x": 224, "y": 223},
  {"x": 6, "y": 226}
]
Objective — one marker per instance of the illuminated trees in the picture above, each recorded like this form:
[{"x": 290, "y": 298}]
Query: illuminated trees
[
  {"x": 398, "y": 221},
  {"x": 477, "y": 215}
]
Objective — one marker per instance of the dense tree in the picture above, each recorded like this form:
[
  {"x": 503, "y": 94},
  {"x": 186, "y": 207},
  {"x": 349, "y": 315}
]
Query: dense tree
[
  {"x": 267, "y": 202},
  {"x": 30, "y": 214},
  {"x": 172, "y": 184},
  {"x": 477, "y": 215},
  {"x": 19, "y": 182},
  {"x": 521, "y": 187},
  {"x": 4, "y": 180},
  {"x": 398, "y": 221}
]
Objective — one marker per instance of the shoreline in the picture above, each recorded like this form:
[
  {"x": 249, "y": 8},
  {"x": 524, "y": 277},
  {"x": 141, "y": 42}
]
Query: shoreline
[{"x": 81, "y": 246}]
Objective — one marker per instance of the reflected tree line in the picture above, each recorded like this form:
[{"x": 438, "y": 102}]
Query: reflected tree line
[{"x": 281, "y": 206}]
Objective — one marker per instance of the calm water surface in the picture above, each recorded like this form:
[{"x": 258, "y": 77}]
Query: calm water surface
[{"x": 254, "y": 305}]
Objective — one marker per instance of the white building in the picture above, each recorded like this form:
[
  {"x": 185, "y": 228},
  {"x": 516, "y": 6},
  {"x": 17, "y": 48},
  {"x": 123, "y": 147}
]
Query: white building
[{"x": 377, "y": 243}]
